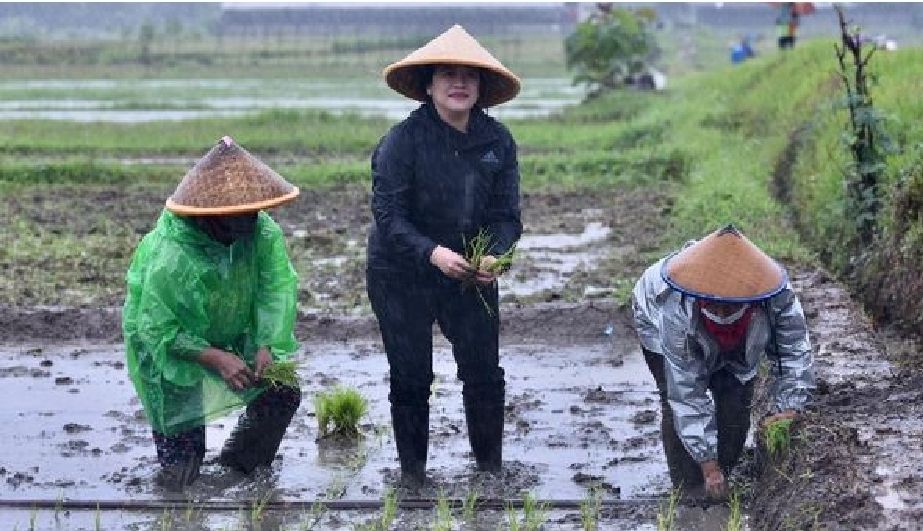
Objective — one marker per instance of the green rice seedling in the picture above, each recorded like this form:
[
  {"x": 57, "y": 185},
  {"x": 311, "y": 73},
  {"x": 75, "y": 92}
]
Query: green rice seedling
[
  {"x": 778, "y": 437},
  {"x": 388, "y": 508},
  {"x": 512, "y": 519},
  {"x": 475, "y": 251},
  {"x": 280, "y": 373},
  {"x": 469, "y": 508},
  {"x": 99, "y": 524},
  {"x": 533, "y": 513},
  {"x": 443, "y": 517},
  {"x": 342, "y": 407},
  {"x": 666, "y": 517},
  {"x": 258, "y": 507},
  {"x": 589, "y": 510},
  {"x": 735, "y": 520}
]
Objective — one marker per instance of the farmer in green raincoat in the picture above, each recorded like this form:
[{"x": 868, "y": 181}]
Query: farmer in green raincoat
[{"x": 210, "y": 304}]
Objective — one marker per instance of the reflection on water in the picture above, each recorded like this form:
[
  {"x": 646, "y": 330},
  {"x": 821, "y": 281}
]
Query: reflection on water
[{"x": 135, "y": 101}]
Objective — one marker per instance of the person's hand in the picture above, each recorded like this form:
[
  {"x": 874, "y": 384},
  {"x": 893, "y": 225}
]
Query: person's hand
[
  {"x": 782, "y": 415},
  {"x": 263, "y": 360},
  {"x": 715, "y": 485},
  {"x": 452, "y": 264},
  {"x": 486, "y": 274},
  {"x": 232, "y": 369}
]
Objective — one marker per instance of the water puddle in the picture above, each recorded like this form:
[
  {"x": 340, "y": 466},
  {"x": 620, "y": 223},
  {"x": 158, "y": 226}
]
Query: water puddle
[
  {"x": 546, "y": 261},
  {"x": 75, "y": 430}
]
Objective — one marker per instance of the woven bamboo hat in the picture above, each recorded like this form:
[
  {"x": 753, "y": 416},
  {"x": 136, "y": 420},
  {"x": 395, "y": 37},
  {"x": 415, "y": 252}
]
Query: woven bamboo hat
[
  {"x": 455, "y": 47},
  {"x": 229, "y": 180},
  {"x": 726, "y": 267}
]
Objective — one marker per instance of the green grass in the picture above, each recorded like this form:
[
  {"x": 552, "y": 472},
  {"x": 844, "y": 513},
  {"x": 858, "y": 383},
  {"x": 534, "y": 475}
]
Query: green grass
[
  {"x": 339, "y": 411},
  {"x": 777, "y": 437},
  {"x": 281, "y": 373},
  {"x": 666, "y": 514}
]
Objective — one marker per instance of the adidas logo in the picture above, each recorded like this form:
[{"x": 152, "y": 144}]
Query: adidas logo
[{"x": 490, "y": 157}]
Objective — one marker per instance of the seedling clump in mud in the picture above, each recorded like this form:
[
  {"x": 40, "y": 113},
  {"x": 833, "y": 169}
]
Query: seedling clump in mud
[
  {"x": 343, "y": 407},
  {"x": 777, "y": 436}
]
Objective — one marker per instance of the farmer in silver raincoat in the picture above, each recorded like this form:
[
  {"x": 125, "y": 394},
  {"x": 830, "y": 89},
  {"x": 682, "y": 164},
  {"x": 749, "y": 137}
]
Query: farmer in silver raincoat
[{"x": 705, "y": 315}]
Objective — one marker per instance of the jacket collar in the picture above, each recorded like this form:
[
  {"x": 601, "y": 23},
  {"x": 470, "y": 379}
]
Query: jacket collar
[{"x": 480, "y": 131}]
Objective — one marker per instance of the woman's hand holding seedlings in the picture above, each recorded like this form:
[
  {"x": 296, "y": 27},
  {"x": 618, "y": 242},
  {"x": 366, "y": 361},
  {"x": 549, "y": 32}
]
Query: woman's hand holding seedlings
[
  {"x": 487, "y": 274},
  {"x": 263, "y": 360},
  {"x": 452, "y": 264},
  {"x": 231, "y": 368}
]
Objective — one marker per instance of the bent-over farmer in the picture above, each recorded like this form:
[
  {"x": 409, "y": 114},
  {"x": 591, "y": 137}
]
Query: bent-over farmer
[
  {"x": 705, "y": 315},
  {"x": 440, "y": 177},
  {"x": 210, "y": 304}
]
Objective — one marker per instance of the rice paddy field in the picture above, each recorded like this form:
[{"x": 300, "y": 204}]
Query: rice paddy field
[{"x": 89, "y": 152}]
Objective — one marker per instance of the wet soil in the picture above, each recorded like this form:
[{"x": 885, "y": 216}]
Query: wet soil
[{"x": 581, "y": 409}]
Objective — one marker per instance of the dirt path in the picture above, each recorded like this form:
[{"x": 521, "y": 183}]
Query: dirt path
[{"x": 861, "y": 460}]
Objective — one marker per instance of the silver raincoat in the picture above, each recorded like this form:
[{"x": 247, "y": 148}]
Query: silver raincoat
[{"x": 668, "y": 323}]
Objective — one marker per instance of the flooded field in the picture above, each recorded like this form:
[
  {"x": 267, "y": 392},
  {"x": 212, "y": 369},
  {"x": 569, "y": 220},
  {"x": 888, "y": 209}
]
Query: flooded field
[{"x": 142, "y": 100}]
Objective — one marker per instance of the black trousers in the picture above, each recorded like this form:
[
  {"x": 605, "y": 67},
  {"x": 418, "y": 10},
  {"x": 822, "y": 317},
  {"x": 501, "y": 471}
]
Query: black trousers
[
  {"x": 253, "y": 442},
  {"x": 732, "y": 401},
  {"x": 407, "y": 307}
]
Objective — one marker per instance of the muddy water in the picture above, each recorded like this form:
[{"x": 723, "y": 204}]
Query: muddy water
[
  {"x": 546, "y": 261},
  {"x": 76, "y": 431}
]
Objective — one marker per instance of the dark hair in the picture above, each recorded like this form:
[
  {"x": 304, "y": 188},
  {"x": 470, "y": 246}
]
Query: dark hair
[{"x": 425, "y": 76}]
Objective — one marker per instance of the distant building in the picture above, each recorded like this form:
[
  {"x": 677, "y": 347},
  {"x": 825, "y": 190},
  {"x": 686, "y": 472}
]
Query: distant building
[{"x": 395, "y": 20}]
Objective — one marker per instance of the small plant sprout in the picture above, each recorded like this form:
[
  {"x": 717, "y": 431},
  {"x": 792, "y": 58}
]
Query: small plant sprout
[
  {"x": 33, "y": 516},
  {"x": 469, "y": 509},
  {"x": 99, "y": 523},
  {"x": 258, "y": 507},
  {"x": 443, "y": 520},
  {"x": 533, "y": 512},
  {"x": 280, "y": 373},
  {"x": 666, "y": 516},
  {"x": 388, "y": 508},
  {"x": 735, "y": 514},
  {"x": 342, "y": 407},
  {"x": 589, "y": 510},
  {"x": 777, "y": 436}
]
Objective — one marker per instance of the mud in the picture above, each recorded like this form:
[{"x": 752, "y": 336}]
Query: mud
[{"x": 582, "y": 412}]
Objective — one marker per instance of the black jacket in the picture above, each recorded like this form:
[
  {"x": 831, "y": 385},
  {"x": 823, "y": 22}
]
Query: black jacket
[{"x": 433, "y": 185}]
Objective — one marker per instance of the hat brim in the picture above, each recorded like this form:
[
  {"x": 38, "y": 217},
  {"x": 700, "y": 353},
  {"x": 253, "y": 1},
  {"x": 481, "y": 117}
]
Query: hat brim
[
  {"x": 498, "y": 86},
  {"x": 692, "y": 292},
  {"x": 187, "y": 210}
]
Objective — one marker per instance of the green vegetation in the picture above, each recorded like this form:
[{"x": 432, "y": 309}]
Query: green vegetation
[
  {"x": 533, "y": 514},
  {"x": 281, "y": 373},
  {"x": 666, "y": 516},
  {"x": 589, "y": 510},
  {"x": 387, "y": 516},
  {"x": 610, "y": 45},
  {"x": 735, "y": 520},
  {"x": 777, "y": 437},
  {"x": 342, "y": 407}
]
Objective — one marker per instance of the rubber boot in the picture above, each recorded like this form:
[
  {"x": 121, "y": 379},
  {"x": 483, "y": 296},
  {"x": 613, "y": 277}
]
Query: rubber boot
[
  {"x": 177, "y": 476},
  {"x": 259, "y": 431},
  {"x": 411, "y": 435},
  {"x": 485, "y": 432}
]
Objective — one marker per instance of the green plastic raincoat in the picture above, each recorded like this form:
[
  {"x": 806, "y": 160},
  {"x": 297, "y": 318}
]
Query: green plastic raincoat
[{"x": 187, "y": 292}]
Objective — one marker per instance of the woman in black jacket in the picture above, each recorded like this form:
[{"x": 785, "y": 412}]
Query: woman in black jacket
[{"x": 439, "y": 177}]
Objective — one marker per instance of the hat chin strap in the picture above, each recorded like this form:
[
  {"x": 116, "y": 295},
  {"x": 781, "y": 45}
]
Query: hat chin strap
[{"x": 730, "y": 319}]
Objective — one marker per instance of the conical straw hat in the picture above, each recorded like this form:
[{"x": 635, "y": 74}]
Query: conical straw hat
[
  {"x": 456, "y": 47},
  {"x": 724, "y": 266},
  {"x": 229, "y": 180}
]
